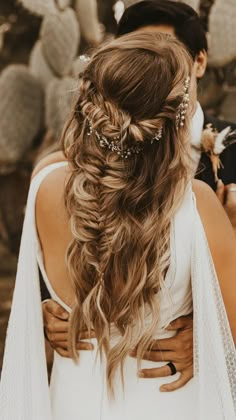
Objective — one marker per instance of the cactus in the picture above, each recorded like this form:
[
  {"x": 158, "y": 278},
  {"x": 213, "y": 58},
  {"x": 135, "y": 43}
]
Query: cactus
[
  {"x": 91, "y": 29},
  {"x": 21, "y": 110},
  {"x": 222, "y": 31},
  {"x": 195, "y": 4},
  {"x": 60, "y": 40},
  {"x": 63, "y": 4},
  {"x": 128, "y": 3},
  {"x": 59, "y": 101},
  {"x": 39, "y": 66},
  {"x": 40, "y": 7}
]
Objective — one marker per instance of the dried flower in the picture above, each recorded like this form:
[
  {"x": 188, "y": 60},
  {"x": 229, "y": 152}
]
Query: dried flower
[{"x": 214, "y": 143}]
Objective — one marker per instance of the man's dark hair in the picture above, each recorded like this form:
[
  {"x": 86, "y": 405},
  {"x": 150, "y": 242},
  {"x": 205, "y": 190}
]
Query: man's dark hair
[{"x": 185, "y": 21}]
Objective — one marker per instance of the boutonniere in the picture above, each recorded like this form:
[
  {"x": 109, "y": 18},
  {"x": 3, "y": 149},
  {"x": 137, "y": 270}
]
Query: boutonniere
[{"x": 214, "y": 143}]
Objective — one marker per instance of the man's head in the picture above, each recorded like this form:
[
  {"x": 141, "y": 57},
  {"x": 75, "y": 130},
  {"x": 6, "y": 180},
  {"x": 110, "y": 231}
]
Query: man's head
[{"x": 171, "y": 17}]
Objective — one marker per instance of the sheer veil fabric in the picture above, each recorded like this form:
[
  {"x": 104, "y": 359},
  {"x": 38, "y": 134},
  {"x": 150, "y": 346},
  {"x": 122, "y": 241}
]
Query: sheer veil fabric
[
  {"x": 214, "y": 350},
  {"x": 24, "y": 391}
]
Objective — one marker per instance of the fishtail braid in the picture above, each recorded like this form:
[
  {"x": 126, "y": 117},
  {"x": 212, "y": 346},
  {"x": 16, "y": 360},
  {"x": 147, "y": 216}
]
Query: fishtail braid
[{"x": 121, "y": 210}]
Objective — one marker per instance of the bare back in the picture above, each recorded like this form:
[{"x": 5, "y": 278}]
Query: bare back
[
  {"x": 55, "y": 236},
  {"x": 54, "y": 231}
]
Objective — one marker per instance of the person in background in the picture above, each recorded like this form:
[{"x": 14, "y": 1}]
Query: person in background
[{"x": 182, "y": 21}]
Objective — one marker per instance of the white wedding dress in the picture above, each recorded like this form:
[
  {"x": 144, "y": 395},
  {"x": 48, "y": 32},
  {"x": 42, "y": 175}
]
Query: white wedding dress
[{"x": 78, "y": 391}]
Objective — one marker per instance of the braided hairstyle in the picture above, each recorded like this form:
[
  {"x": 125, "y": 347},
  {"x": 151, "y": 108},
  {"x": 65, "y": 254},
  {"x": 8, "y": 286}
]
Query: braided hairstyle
[{"x": 121, "y": 209}]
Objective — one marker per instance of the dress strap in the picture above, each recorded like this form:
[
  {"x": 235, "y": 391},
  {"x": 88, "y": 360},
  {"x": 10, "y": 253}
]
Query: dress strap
[
  {"x": 41, "y": 175},
  {"x": 37, "y": 181}
]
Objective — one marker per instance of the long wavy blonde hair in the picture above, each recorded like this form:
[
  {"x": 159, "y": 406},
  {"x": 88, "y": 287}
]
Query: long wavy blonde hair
[{"x": 121, "y": 209}]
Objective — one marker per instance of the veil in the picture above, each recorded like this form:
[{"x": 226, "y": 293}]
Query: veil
[
  {"x": 24, "y": 390},
  {"x": 214, "y": 349}
]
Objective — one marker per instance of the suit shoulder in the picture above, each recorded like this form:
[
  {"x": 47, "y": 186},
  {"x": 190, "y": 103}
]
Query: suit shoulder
[{"x": 218, "y": 123}]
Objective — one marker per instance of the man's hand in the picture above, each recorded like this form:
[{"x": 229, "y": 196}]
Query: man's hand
[
  {"x": 227, "y": 196},
  {"x": 177, "y": 349},
  {"x": 56, "y": 327}
]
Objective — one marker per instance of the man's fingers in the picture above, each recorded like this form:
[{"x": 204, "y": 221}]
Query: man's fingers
[
  {"x": 55, "y": 309},
  {"x": 155, "y": 372},
  {"x": 230, "y": 195},
  {"x": 220, "y": 191},
  {"x": 163, "y": 344},
  {"x": 62, "y": 352},
  {"x": 84, "y": 346},
  {"x": 164, "y": 371},
  {"x": 59, "y": 332},
  {"x": 63, "y": 345},
  {"x": 183, "y": 380},
  {"x": 86, "y": 336},
  {"x": 56, "y": 326},
  {"x": 180, "y": 323},
  {"x": 57, "y": 337},
  {"x": 156, "y": 356}
]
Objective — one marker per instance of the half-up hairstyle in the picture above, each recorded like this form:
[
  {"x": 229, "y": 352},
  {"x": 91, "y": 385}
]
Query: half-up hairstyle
[{"x": 121, "y": 209}]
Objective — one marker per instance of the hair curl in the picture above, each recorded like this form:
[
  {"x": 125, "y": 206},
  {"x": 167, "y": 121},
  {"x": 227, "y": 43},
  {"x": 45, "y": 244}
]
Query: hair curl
[{"x": 121, "y": 210}]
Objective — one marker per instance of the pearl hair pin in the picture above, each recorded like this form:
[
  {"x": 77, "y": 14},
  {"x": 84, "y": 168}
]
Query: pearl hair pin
[{"x": 182, "y": 109}]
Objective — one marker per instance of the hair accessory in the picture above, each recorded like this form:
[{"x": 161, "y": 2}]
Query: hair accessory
[
  {"x": 180, "y": 116},
  {"x": 158, "y": 135},
  {"x": 115, "y": 146}
]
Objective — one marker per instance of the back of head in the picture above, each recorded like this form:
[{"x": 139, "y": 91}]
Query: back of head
[
  {"x": 128, "y": 150},
  {"x": 183, "y": 18}
]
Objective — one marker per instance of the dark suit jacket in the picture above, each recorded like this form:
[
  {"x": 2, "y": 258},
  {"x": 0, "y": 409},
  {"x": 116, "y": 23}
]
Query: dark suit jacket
[
  {"x": 228, "y": 158},
  {"x": 227, "y": 173}
]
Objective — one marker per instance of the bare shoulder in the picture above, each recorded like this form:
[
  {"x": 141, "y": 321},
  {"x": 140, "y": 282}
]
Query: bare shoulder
[
  {"x": 50, "y": 207},
  {"x": 48, "y": 160},
  {"x": 54, "y": 233},
  {"x": 201, "y": 189},
  {"x": 207, "y": 202},
  {"x": 219, "y": 231}
]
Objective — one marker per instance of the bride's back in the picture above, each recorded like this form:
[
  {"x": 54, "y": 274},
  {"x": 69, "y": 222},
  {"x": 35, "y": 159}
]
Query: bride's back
[
  {"x": 71, "y": 384},
  {"x": 127, "y": 147}
]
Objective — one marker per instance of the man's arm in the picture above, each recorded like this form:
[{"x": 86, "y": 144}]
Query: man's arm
[{"x": 56, "y": 326}]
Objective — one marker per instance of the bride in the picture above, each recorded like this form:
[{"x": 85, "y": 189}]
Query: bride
[{"x": 124, "y": 241}]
